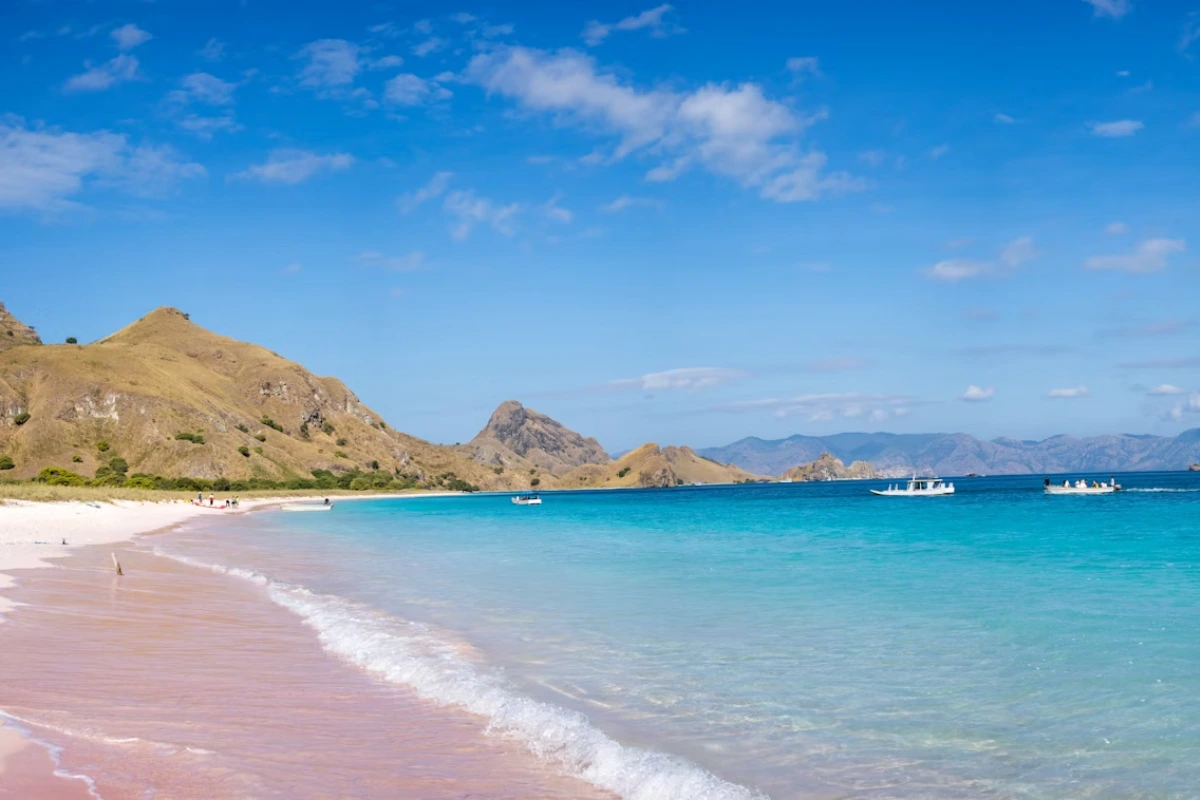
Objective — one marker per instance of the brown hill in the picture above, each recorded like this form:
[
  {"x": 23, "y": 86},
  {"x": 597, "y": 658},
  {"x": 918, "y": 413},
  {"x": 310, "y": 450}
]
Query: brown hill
[
  {"x": 132, "y": 393},
  {"x": 14, "y": 332},
  {"x": 828, "y": 468},
  {"x": 521, "y": 438},
  {"x": 654, "y": 466}
]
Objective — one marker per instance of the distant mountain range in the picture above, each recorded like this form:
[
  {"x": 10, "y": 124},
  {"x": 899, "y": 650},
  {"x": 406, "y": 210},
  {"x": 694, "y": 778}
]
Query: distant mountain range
[{"x": 895, "y": 454}]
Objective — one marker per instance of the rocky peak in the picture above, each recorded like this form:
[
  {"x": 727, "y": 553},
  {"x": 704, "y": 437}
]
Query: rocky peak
[
  {"x": 540, "y": 439},
  {"x": 14, "y": 332},
  {"x": 829, "y": 468}
]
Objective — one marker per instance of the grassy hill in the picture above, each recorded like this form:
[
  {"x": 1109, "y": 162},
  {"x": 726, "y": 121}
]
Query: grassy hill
[{"x": 654, "y": 466}]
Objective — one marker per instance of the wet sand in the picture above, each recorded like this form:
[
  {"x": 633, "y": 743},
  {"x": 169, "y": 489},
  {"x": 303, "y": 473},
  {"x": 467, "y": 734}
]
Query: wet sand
[{"x": 188, "y": 684}]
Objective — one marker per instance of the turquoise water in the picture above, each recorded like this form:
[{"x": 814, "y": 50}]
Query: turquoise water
[{"x": 803, "y": 640}]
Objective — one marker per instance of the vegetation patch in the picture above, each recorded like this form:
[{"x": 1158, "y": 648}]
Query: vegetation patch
[
  {"x": 623, "y": 472},
  {"x": 262, "y": 437},
  {"x": 187, "y": 436},
  {"x": 6, "y": 462},
  {"x": 245, "y": 451},
  {"x": 56, "y": 476},
  {"x": 22, "y": 418},
  {"x": 270, "y": 423},
  {"x": 103, "y": 446}
]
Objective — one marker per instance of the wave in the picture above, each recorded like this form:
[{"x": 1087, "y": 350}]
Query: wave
[
  {"x": 412, "y": 655},
  {"x": 54, "y": 751},
  {"x": 1172, "y": 491}
]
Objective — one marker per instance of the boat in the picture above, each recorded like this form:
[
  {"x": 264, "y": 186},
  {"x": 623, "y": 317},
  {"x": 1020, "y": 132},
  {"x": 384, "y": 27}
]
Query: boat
[
  {"x": 326, "y": 506},
  {"x": 527, "y": 500},
  {"x": 917, "y": 487},
  {"x": 1081, "y": 487}
]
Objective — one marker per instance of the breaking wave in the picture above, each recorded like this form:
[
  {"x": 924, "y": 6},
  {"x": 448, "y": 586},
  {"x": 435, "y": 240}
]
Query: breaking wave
[{"x": 412, "y": 655}]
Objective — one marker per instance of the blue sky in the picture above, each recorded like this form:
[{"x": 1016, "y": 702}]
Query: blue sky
[{"x": 684, "y": 223}]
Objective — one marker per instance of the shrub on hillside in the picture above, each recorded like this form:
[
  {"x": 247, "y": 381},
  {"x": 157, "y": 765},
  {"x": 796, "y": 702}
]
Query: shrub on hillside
[
  {"x": 258, "y": 450},
  {"x": 188, "y": 436},
  {"x": 459, "y": 485},
  {"x": 245, "y": 451},
  {"x": 140, "y": 482},
  {"x": 262, "y": 437},
  {"x": 118, "y": 465},
  {"x": 535, "y": 482},
  {"x": 498, "y": 470},
  {"x": 374, "y": 465},
  {"x": 327, "y": 428},
  {"x": 339, "y": 454},
  {"x": 341, "y": 442},
  {"x": 22, "y": 418},
  {"x": 6, "y": 462},
  {"x": 270, "y": 423},
  {"x": 623, "y": 472},
  {"x": 102, "y": 446},
  {"x": 242, "y": 428},
  {"x": 56, "y": 476},
  {"x": 360, "y": 484},
  {"x": 72, "y": 340},
  {"x": 76, "y": 459}
]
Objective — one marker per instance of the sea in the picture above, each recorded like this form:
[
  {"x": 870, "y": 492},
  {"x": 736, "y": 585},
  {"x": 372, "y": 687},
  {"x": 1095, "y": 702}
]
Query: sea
[{"x": 794, "y": 641}]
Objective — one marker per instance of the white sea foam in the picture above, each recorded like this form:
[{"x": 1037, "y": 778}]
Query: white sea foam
[
  {"x": 54, "y": 751},
  {"x": 410, "y": 654},
  {"x": 1172, "y": 491}
]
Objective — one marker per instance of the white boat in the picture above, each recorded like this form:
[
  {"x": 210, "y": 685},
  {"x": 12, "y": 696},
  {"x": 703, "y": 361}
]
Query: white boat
[
  {"x": 307, "y": 507},
  {"x": 526, "y": 500},
  {"x": 1081, "y": 487},
  {"x": 918, "y": 487}
]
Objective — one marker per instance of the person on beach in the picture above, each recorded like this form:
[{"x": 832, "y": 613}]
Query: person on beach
[{"x": 211, "y": 499}]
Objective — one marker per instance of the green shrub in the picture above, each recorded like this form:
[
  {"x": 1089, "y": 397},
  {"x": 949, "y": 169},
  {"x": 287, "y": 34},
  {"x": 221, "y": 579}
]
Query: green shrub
[
  {"x": 498, "y": 470},
  {"x": 76, "y": 459},
  {"x": 270, "y": 423},
  {"x": 382, "y": 425},
  {"x": 118, "y": 465},
  {"x": 6, "y": 462},
  {"x": 72, "y": 340},
  {"x": 360, "y": 484},
  {"x": 140, "y": 482},
  {"x": 245, "y": 451},
  {"x": 22, "y": 418},
  {"x": 341, "y": 442},
  {"x": 623, "y": 472},
  {"x": 262, "y": 437},
  {"x": 374, "y": 465},
  {"x": 56, "y": 476},
  {"x": 108, "y": 479},
  {"x": 242, "y": 428},
  {"x": 459, "y": 485},
  {"x": 339, "y": 454},
  {"x": 186, "y": 436},
  {"x": 258, "y": 450},
  {"x": 535, "y": 482},
  {"x": 327, "y": 428},
  {"x": 102, "y": 446}
]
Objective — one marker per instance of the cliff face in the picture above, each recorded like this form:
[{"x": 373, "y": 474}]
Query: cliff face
[
  {"x": 517, "y": 436},
  {"x": 14, "y": 332},
  {"x": 828, "y": 468},
  {"x": 133, "y": 392}
]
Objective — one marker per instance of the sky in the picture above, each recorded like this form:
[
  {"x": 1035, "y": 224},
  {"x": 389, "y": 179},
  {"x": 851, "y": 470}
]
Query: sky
[{"x": 684, "y": 223}]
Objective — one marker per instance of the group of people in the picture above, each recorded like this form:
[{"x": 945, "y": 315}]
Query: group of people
[
  {"x": 1083, "y": 484},
  {"x": 212, "y": 501}
]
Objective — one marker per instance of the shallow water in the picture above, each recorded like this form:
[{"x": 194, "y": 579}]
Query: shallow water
[{"x": 798, "y": 640}]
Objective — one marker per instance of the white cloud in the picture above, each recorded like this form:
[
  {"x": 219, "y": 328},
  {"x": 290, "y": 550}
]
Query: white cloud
[
  {"x": 1191, "y": 32},
  {"x": 205, "y": 88},
  {"x": 1149, "y": 256},
  {"x": 1165, "y": 390},
  {"x": 469, "y": 210},
  {"x": 1004, "y": 119},
  {"x": 1189, "y": 406},
  {"x": 685, "y": 379},
  {"x": 804, "y": 65},
  {"x": 386, "y": 62},
  {"x": 423, "y": 26},
  {"x": 205, "y": 127},
  {"x": 1113, "y": 9},
  {"x": 411, "y": 90},
  {"x": 627, "y": 201},
  {"x": 1014, "y": 254},
  {"x": 556, "y": 212},
  {"x": 120, "y": 69},
  {"x": 1116, "y": 228},
  {"x": 827, "y": 407},
  {"x": 978, "y": 394},
  {"x": 291, "y": 166},
  {"x": 939, "y": 151},
  {"x": 213, "y": 50},
  {"x": 733, "y": 131},
  {"x": 405, "y": 263},
  {"x": 872, "y": 157},
  {"x": 130, "y": 36},
  {"x": 435, "y": 188},
  {"x": 429, "y": 46},
  {"x": 332, "y": 63},
  {"x": 1117, "y": 129},
  {"x": 42, "y": 168},
  {"x": 1069, "y": 393},
  {"x": 597, "y": 32}
]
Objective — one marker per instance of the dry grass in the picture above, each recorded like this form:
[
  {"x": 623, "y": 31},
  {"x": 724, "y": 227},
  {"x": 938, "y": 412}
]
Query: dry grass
[{"x": 41, "y": 493}]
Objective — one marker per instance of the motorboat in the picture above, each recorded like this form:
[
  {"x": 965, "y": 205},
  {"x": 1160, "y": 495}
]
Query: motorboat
[
  {"x": 527, "y": 500},
  {"x": 917, "y": 487},
  {"x": 1081, "y": 487}
]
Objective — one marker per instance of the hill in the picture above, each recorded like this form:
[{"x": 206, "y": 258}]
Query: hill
[
  {"x": 958, "y": 453},
  {"x": 520, "y": 437},
  {"x": 829, "y": 468},
  {"x": 653, "y": 466},
  {"x": 170, "y": 398},
  {"x": 13, "y": 332}
]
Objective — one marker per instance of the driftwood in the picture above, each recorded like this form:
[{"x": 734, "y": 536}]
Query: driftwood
[{"x": 117, "y": 564}]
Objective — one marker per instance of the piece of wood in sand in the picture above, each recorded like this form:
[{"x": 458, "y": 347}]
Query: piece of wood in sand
[{"x": 117, "y": 564}]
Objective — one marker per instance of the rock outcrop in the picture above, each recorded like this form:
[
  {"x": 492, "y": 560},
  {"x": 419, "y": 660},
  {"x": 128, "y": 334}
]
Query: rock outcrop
[
  {"x": 651, "y": 466},
  {"x": 14, "y": 332},
  {"x": 829, "y": 468},
  {"x": 533, "y": 438}
]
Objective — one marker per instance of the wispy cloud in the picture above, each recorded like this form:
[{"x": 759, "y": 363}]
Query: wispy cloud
[
  {"x": 939, "y": 151},
  {"x": 1165, "y": 390},
  {"x": 1152, "y": 255},
  {"x": 468, "y": 210},
  {"x": 683, "y": 379},
  {"x": 129, "y": 36},
  {"x": 331, "y": 65},
  {"x": 1069, "y": 393},
  {"x": 406, "y": 263},
  {"x": 410, "y": 90},
  {"x": 977, "y": 394},
  {"x": 1112, "y": 9},
  {"x": 1116, "y": 129},
  {"x": 801, "y": 66},
  {"x": 43, "y": 168},
  {"x": 733, "y": 131},
  {"x": 555, "y": 212},
  {"x": 1162, "y": 363},
  {"x": 652, "y": 19},
  {"x": 291, "y": 166},
  {"x": 1014, "y": 254},
  {"x": 202, "y": 87},
  {"x": 831, "y": 406},
  {"x": 627, "y": 201},
  {"x": 430, "y": 46},
  {"x": 1116, "y": 228},
  {"x": 1168, "y": 327},
  {"x": 1004, "y": 119},
  {"x": 435, "y": 188},
  {"x": 213, "y": 50},
  {"x": 1190, "y": 34},
  {"x": 120, "y": 69}
]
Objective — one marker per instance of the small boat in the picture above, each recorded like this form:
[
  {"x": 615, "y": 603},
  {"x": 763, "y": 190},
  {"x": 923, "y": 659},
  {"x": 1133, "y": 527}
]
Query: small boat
[
  {"x": 527, "y": 500},
  {"x": 918, "y": 487},
  {"x": 1081, "y": 487},
  {"x": 326, "y": 506}
]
